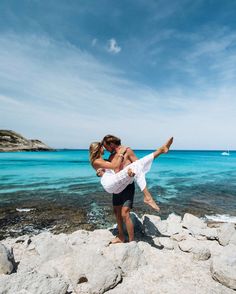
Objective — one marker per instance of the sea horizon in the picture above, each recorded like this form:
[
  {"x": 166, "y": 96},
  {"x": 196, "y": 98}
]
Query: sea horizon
[{"x": 60, "y": 191}]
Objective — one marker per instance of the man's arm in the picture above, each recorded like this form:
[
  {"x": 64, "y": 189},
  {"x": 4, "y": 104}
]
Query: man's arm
[{"x": 131, "y": 155}]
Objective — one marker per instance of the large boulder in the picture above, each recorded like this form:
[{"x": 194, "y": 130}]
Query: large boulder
[
  {"x": 85, "y": 269},
  {"x": 198, "y": 248},
  {"x": 223, "y": 267},
  {"x": 32, "y": 283},
  {"x": 173, "y": 224},
  {"x": 225, "y": 233},
  {"x": 192, "y": 222},
  {"x": 49, "y": 246},
  {"x": 7, "y": 262},
  {"x": 128, "y": 256}
]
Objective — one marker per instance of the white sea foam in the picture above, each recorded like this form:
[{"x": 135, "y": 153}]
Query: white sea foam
[
  {"x": 225, "y": 218},
  {"x": 24, "y": 209}
]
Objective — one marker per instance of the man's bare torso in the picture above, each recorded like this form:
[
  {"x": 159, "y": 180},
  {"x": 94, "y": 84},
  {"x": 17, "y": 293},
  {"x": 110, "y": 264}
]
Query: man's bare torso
[{"x": 129, "y": 157}]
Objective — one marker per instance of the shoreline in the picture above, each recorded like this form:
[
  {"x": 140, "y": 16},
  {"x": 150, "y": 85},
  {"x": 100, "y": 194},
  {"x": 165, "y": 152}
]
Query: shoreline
[
  {"x": 39, "y": 216},
  {"x": 64, "y": 263}
]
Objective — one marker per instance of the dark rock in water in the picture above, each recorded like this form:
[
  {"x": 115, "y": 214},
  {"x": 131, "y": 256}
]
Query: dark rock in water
[{"x": 12, "y": 141}]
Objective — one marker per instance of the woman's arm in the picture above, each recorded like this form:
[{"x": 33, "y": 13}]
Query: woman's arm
[{"x": 116, "y": 161}]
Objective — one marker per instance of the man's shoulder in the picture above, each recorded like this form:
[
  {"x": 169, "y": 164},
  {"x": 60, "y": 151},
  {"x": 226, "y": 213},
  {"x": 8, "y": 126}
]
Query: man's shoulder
[{"x": 129, "y": 150}]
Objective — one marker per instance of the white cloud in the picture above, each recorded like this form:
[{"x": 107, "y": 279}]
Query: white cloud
[
  {"x": 113, "y": 46},
  {"x": 65, "y": 97}
]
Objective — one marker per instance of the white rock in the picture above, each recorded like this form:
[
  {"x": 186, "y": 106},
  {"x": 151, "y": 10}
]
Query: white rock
[
  {"x": 79, "y": 237},
  {"x": 171, "y": 272},
  {"x": 162, "y": 227},
  {"x": 174, "y": 218},
  {"x": 166, "y": 242},
  {"x": 85, "y": 269},
  {"x": 225, "y": 233},
  {"x": 192, "y": 222},
  {"x": 210, "y": 233},
  {"x": 173, "y": 224},
  {"x": 201, "y": 253},
  {"x": 187, "y": 245},
  {"x": 49, "y": 246},
  {"x": 200, "y": 237},
  {"x": 233, "y": 239},
  {"x": 32, "y": 283},
  {"x": 6, "y": 260},
  {"x": 223, "y": 267},
  {"x": 180, "y": 236},
  {"x": 127, "y": 256},
  {"x": 101, "y": 238},
  {"x": 156, "y": 242},
  {"x": 195, "y": 231}
]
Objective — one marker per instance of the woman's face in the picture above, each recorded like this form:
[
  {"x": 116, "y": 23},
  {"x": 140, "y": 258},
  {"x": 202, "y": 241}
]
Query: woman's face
[{"x": 102, "y": 150}]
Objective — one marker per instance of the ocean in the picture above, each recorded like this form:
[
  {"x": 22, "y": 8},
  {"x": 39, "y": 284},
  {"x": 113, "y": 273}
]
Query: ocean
[{"x": 59, "y": 190}]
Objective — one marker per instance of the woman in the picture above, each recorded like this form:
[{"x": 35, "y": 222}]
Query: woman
[{"x": 116, "y": 182}]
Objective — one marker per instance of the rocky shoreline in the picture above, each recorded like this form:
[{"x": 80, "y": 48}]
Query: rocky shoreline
[
  {"x": 176, "y": 255},
  {"x": 11, "y": 142}
]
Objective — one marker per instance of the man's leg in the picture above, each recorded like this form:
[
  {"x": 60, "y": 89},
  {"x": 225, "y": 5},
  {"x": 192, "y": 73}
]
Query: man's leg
[
  {"x": 120, "y": 238},
  {"x": 125, "y": 213},
  {"x": 122, "y": 203}
]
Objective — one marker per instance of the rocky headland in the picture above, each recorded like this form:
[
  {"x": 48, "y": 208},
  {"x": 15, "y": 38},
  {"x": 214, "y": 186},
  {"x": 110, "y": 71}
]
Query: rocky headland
[
  {"x": 169, "y": 256},
  {"x": 11, "y": 141}
]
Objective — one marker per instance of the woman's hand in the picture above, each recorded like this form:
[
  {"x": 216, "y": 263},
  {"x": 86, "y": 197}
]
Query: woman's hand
[{"x": 122, "y": 150}]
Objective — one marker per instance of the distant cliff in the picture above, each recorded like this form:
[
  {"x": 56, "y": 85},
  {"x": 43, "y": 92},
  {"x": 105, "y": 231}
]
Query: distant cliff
[{"x": 11, "y": 141}]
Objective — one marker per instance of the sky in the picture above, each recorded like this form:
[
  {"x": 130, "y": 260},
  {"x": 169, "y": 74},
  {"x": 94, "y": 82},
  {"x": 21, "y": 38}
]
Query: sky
[{"x": 73, "y": 71}]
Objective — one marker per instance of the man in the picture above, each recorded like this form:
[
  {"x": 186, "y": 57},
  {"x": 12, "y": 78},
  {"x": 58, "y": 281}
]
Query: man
[{"x": 122, "y": 202}]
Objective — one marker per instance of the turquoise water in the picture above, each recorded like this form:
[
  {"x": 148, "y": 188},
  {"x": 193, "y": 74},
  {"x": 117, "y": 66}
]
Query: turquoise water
[{"x": 179, "y": 180}]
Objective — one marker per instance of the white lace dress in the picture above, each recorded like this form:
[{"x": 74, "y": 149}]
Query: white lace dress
[{"x": 116, "y": 182}]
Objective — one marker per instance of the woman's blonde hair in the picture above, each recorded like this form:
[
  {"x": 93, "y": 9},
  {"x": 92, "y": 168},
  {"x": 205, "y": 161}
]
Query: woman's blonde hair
[{"x": 94, "y": 151}]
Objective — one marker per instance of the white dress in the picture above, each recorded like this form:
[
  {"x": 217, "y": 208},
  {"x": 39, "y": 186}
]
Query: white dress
[{"x": 116, "y": 182}]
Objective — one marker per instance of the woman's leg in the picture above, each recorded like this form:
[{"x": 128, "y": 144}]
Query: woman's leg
[
  {"x": 163, "y": 149},
  {"x": 149, "y": 200},
  {"x": 146, "y": 165},
  {"x": 141, "y": 181}
]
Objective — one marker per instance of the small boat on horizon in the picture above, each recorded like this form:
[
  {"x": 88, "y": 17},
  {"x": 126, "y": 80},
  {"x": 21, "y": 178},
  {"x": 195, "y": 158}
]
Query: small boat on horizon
[{"x": 225, "y": 153}]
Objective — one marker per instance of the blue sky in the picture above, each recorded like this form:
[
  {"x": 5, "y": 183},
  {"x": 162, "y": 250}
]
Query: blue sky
[{"x": 74, "y": 71}]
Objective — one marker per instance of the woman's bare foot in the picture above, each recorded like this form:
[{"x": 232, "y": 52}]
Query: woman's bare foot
[
  {"x": 117, "y": 240},
  {"x": 130, "y": 173},
  {"x": 163, "y": 149},
  {"x": 149, "y": 200},
  {"x": 167, "y": 145},
  {"x": 152, "y": 203}
]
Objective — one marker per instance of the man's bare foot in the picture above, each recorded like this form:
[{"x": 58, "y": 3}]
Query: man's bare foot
[
  {"x": 130, "y": 173},
  {"x": 152, "y": 203},
  {"x": 165, "y": 148},
  {"x": 117, "y": 240}
]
